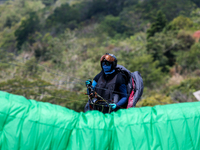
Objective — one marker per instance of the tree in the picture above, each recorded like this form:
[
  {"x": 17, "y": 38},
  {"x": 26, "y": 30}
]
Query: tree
[
  {"x": 48, "y": 2},
  {"x": 132, "y": 20},
  {"x": 186, "y": 41},
  {"x": 114, "y": 7},
  {"x": 106, "y": 7},
  {"x": 65, "y": 14},
  {"x": 189, "y": 60},
  {"x": 164, "y": 46},
  {"x": 158, "y": 25},
  {"x": 148, "y": 68},
  {"x": 27, "y": 28},
  {"x": 161, "y": 47},
  {"x": 195, "y": 17},
  {"x": 197, "y": 2},
  {"x": 170, "y": 8},
  {"x": 149, "y": 8},
  {"x": 182, "y": 22},
  {"x": 112, "y": 25}
]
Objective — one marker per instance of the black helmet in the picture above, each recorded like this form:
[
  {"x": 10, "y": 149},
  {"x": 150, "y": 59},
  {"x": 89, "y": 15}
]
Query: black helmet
[{"x": 110, "y": 58}]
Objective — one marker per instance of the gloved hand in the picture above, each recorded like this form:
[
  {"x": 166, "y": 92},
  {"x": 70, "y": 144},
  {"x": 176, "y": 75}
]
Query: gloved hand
[
  {"x": 92, "y": 95},
  {"x": 88, "y": 82},
  {"x": 113, "y": 106}
]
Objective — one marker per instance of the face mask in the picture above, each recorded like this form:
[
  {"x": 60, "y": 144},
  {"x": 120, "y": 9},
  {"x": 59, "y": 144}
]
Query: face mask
[{"x": 107, "y": 69}]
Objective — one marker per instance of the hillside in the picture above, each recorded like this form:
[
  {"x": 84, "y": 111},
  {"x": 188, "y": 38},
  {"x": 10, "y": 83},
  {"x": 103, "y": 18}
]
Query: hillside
[{"x": 49, "y": 48}]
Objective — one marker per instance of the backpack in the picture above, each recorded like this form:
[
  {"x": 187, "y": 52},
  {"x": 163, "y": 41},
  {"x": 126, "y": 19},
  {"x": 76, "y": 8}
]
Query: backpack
[{"x": 134, "y": 84}]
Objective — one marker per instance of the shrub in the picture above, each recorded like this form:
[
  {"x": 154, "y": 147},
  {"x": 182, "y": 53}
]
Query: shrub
[
  {"x": 156, "y": 99},
  {"x": 184, "y": 91}
]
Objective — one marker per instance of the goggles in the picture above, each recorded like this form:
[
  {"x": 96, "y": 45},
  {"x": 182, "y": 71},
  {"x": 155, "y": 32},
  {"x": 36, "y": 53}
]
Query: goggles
[
  {"x": 105, "y": 63},
  {"x": 107, "y": 58}
]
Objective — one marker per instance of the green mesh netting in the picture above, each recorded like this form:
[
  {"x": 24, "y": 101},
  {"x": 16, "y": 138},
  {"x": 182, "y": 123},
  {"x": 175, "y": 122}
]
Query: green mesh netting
[{"x": 30, "y": 125}]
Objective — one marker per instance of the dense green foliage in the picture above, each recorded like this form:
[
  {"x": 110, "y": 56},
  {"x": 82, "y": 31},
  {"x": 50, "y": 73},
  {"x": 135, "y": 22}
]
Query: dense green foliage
[
  {"x": 184, "y": 91},
  {"x": 158, "y": 25},
  {"x": 48, "y": 48},
  {"x": 26, "y": 30}
]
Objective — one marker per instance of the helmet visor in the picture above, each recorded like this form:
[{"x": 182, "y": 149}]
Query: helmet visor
[
  {"x": 106, "y": 63},
  {"x": 107, "y": 58}
]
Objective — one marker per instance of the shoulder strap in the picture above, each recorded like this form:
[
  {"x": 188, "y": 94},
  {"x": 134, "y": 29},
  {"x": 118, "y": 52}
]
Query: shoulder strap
[{"x": 125, "y": 72}]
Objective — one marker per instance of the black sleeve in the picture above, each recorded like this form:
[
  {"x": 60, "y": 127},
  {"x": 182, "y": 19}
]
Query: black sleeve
[
  {"x": 96, "y": 78},
  {"x": 120, "y": 79}
]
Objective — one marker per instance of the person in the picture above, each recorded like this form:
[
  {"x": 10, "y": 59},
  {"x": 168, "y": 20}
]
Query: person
[{"x": 110, "y": 84}]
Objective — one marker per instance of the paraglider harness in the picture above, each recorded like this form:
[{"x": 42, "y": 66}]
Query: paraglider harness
[
  {"x": 134, "y": 90},
  {"x": 96, "y": 102}
]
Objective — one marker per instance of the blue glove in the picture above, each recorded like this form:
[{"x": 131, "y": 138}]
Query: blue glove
[
  {"x": 88, "y": 82},
  {"x": 113, "y": 106}
]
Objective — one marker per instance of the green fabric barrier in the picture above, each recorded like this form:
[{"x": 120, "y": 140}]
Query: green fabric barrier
[{"x": 31, "y": 125}]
